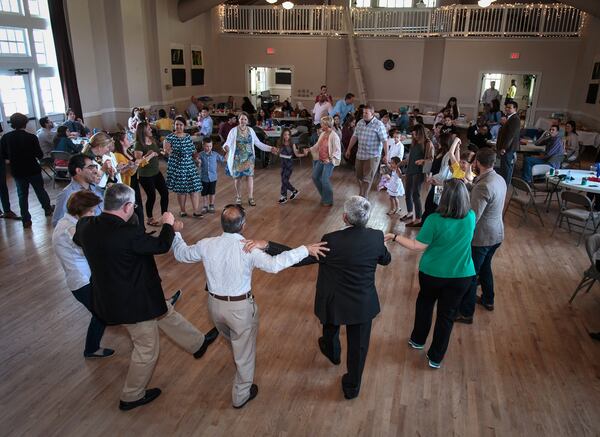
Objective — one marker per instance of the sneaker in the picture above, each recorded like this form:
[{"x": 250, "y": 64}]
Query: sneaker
[
  {"x": 282, "y": 200},
  {"x": 238, "y": 200},
  {"x": 294, "y": 194},
  {"x": 415, "y": 345},
  {"x": 211, "y": 209},
  {"x": 433, "y": 364}
]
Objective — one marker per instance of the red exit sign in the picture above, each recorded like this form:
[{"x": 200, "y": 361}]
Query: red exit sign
[
  {"x": 270, "y": 51},
  {"x": 515, "y": 55}
]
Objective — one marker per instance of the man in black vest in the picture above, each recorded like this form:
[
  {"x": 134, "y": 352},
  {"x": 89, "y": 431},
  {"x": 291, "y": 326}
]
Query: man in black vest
[{"x": 126, "y": 288}]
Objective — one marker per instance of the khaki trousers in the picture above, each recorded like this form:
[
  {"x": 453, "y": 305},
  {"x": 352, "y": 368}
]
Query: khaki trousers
[
  {"x": 144, "y": 336},
  {"x": 365, "y": 173},
  {"x": 238, "y": 322}
]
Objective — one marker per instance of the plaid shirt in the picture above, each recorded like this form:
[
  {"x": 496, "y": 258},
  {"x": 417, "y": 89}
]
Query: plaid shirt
[{"x": 370, "y": 138}]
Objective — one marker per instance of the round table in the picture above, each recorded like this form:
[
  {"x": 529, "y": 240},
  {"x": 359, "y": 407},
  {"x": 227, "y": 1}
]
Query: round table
[{"x": 575, "y": 184}]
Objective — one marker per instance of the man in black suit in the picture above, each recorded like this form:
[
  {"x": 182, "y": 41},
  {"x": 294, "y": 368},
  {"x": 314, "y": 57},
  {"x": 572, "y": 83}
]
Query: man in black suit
[
  {"x": 508, "y": 141},
  {"x": 126, "y": 288},
  {"x": 346, "y": 293}
]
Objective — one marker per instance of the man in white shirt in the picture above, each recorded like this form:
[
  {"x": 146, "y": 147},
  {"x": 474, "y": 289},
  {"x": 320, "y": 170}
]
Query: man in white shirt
[
  {"x": 321, "y": 109},
  {"x": 46, "y": 135},
  {"x": 229, "y": 276},
  {"x": 490, "y": 94}
]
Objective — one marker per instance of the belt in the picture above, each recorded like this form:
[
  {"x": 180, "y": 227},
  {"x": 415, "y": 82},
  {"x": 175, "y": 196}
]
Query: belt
[{"x": 232, "y": 298}]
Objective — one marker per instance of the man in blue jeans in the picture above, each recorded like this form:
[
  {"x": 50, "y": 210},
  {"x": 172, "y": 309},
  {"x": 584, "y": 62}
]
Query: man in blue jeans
[
  {"x": 23, "y": 151},
  {"x": 553, "y": 155},
  {"x": 487, "y": 200}
]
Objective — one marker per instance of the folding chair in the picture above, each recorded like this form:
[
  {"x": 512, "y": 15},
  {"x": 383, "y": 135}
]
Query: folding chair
[
  {"x": 582, "y": 212},
  {"x": 61, "y": 156},
  {"x": 591, "y": 275},
  {"x": 522, "y": 195}
]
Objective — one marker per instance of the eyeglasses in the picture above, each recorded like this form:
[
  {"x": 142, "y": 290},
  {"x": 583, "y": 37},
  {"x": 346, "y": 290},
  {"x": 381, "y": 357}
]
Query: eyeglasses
[{"x": 132, "y": 203}]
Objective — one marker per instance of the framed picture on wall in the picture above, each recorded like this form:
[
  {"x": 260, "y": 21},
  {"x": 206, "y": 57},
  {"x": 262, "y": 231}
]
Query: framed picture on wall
[
  {"x": 596, "y": 71},
  {"x": 197, "y": 56},
  {"x": 177, "y": 57},
  {"x": 178, "y": 76},
  {"x": 592, "y": 94},
  {"x": 197, "y": 76}
]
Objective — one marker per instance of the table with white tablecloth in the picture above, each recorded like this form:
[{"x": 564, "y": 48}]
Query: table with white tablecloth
[{"x": 586, "y": 138}]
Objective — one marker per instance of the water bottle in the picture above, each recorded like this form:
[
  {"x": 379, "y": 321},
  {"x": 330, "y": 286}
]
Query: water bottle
[{"x": 568, "y": 175}]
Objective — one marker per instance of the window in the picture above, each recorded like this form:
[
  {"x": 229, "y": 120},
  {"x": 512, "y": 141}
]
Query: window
[
  {"x": 52, "y": 99},
  {"x": 12, "y": 41},
  {"x": 11, "y": 6},
  {"x": 38, "y": 8},
  {"x": 430, "y": 3},
  {"x": 43, "y": 49},
  {"x": 14, "y": 94},
  {"x": 395, "y": 3},
  {"x": 363, "y": 3}
]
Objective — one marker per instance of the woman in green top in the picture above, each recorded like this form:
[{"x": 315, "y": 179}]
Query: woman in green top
[
  {"x": 149, "y": 175},
  {"x": 446, "y": 268}
]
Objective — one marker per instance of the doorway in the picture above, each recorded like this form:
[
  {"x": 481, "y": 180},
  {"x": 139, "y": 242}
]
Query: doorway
[
  {"x": 524, "y": 86},
  {"x": 269, "y": 84},
  {"x": 16, "y": 96}
]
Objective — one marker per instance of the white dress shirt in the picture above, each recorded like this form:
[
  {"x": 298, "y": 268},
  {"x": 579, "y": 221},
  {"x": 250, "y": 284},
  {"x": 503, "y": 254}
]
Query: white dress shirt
[
  {"x": 71, "y": 257},
  {"x": 228, "y": 268},
  {"x": 320, "y": 110}
]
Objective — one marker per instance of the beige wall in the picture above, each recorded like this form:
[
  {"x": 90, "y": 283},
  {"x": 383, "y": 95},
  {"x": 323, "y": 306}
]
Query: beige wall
[
  {"x": 589, "y": 53},
  {"x": 122, "y": 57}
]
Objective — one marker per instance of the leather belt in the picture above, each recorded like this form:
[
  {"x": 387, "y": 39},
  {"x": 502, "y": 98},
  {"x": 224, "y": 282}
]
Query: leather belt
[{"x": 232, "y": 298}]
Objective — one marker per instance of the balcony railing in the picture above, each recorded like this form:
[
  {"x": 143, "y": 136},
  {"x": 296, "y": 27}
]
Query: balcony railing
[{"x": 504, "y": 20}]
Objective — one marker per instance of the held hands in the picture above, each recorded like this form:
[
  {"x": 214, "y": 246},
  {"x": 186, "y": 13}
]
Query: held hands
[
  {"x": 274, "y": 150},
  {"x": 178, "y": 226},
  {"x": 389, "y": 237},
  {"x": 317, "y": 249},
  {"x": 250, "y": 245},
  {"x": 420, "y": 162},
  {"x": 168, "y": 218}
]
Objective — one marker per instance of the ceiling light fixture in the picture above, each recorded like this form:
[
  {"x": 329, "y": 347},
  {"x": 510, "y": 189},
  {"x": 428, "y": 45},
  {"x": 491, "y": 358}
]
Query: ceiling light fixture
[
  {"x": 485, "y": 3},
  {"x": 287, "y": 5},
  {"x": 271, "y": 1}
]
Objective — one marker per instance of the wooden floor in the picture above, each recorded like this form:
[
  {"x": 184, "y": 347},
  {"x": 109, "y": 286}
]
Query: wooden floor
[{"x": 526, "y": 369}]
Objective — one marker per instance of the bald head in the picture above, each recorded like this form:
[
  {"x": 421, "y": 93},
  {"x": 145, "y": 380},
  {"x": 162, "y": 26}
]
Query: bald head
[{"x": 233, "y": 219}]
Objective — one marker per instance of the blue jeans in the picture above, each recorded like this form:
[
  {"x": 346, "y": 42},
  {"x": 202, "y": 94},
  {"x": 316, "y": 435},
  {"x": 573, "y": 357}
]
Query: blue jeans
[
  {"x": 37, "y": 183},
  {"x": 96, "y": 327},
  {"x": 528, "y": 164},
  {"x": 482, "y": 260},
  {"x": 507, "y": 164},
  {"x": 321, "y": 175}
]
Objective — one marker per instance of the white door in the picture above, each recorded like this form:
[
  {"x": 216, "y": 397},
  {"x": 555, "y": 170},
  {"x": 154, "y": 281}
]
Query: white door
[{"x": 16, "y": 96}]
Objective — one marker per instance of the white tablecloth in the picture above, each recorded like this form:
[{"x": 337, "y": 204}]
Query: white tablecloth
[{"x": 575, "y": 184}]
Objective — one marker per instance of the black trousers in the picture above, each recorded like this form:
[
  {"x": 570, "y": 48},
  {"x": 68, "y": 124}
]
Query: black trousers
[
  {"x": 139, "y": 210},
  {"x": 357, "y": 337},
  {"x": 430, "y": 205},
  {"x": 287, "y": 166},
  {"x": 413, "y": 193},
  {"x": 152, "y": 184},
  {"x": 4, "y": 199},
  {"x": 37, "y": 182},
  {"x": 96, "y": 327},
  {"x": 448, "y": 293}
]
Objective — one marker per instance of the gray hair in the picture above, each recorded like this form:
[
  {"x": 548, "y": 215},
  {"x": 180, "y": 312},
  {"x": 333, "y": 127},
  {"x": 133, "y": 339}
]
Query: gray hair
[
  {"x": 455, "y": 202},
  {"x": 118, "y": 195},
  {"x": 357, "y": 210}
]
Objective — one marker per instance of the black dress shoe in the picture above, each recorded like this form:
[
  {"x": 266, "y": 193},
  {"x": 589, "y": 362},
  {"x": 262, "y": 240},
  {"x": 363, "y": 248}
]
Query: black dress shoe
[
  {"x": 175, "y": 297},
  {"x": 253, "y": 393},
  {"x": 149, "y": 396},
  {"x": 349, "y": 392},
  {"x": 102, "y": 354},
  {"x": 323, "y": 348},
  {"x": 208, "y": 339},
  {"x": 485, "y": 305},
  {"x": 49, "y": 211},
  {"x": 463, "y": 319}
]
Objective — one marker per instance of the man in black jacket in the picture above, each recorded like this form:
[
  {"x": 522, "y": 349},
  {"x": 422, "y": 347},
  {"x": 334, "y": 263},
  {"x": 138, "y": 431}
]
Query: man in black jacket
[
  {"x": 508, "y": 141},
  {"x": 346, "y": 293},
  {"x": 126, "y": 288}
]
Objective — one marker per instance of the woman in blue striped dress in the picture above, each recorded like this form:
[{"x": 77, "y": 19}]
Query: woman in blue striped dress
[{"x": 182, "y": 174}]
